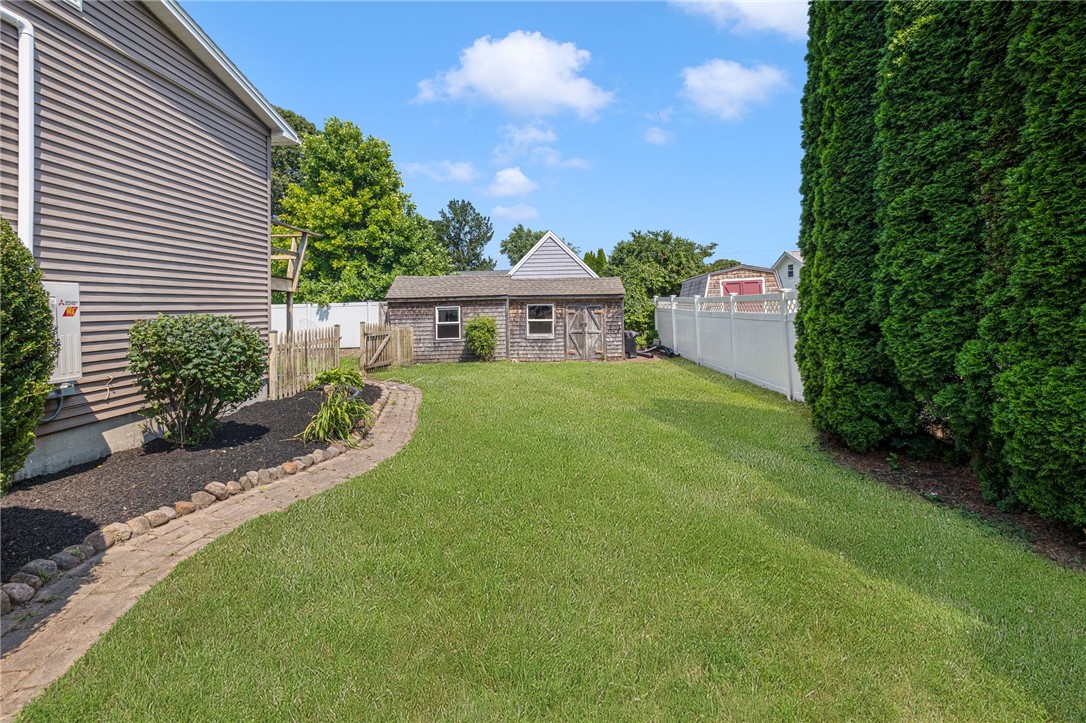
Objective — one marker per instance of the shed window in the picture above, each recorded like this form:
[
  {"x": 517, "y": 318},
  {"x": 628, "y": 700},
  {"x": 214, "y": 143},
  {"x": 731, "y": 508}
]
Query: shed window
[
  {"x": 448, "y": 322},
  {"x": 541, "y": 320},
  {"x": 791, "y": 270}
]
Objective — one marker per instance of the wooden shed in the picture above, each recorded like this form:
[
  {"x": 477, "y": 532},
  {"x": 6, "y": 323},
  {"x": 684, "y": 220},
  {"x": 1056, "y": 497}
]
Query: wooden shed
[
  {"x": 740, "y": 279},
  {"x": 549, "y": 307}
]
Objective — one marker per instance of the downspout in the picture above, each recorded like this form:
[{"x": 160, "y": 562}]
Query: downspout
[
  {"x": 507, "y": 327},
  {"x": 26, "y": 125}
]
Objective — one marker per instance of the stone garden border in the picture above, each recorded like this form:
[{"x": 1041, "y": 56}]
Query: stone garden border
[{"x": 26, "y": 583}]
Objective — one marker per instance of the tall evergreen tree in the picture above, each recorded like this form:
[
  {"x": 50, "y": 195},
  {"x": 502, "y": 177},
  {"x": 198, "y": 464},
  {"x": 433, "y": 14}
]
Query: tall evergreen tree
[
  {"x": 930, "y": 255},
  {"x": 997, "y": 121},
  {"x": 849, "y": 381},
  {"x": 1040, "y": 408},
  {"x": 465, "y": 233}
]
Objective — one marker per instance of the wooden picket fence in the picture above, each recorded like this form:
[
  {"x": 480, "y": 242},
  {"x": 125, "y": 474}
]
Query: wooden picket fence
[
  {"x": 384, "y": 345},
  {"x": 296, "y": 358}
]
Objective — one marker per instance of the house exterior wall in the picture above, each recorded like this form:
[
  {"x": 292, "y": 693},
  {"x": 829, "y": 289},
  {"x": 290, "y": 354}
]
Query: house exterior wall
[
  {"x": 781, "y": 270},
  {"x": 550, "y": 261},
  {"x": 9, "y": 121},
  {"x": 153, "y": 186},
  {"x": 714, "y": 289},
  {"x": 419, "y": 315}
]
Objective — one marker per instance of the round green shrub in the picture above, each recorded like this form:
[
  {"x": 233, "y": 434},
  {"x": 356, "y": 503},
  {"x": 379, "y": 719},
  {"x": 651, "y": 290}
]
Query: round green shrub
[
  {"x": 481, "y": 334},
  {"x": 192, "y": 368},
  {"x": 28, "y": 353}
]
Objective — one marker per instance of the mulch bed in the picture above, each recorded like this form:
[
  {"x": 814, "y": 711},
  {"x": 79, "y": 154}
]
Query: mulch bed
[
  {"x": 42, "y": 515},
  {"x": 955, "y": 486}
]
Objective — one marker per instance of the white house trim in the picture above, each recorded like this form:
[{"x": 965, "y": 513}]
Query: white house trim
[
  {"x": 173, "y": 16},
  {"x": 550, "y": 235}
]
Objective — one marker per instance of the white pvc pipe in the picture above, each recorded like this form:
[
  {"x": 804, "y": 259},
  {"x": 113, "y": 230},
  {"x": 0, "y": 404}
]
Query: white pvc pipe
[{"x": 26, "y": 125}]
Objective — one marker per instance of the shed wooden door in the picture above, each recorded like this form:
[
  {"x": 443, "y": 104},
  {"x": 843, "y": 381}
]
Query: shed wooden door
[
  {"x": 584, "y": 332},
  {"x": 743, "y": 286}
]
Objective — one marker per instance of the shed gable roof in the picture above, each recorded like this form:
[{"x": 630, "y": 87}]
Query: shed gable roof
[
  {"x": 551, "y": 258},
  {"x": 699, "y": 285},
  {"x": 173, "y": 16},
  {"x": 407, "y": 288}
]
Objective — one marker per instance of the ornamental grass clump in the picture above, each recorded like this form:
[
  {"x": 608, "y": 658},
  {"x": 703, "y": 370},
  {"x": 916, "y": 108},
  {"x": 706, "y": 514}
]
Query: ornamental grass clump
[
  {"x": 481, "y": 334},
  {"x": 28, "y": 352},
  {"x": 192, "y": 368},
  {"x": 341, "y": 412}
]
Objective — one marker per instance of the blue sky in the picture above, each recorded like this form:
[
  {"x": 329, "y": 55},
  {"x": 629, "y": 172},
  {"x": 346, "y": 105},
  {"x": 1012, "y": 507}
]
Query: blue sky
[{"x": 589, "y": 119}]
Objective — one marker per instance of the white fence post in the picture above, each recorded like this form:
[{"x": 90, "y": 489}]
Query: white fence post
[
  {"x": 697, "y": 333},
  {"x": 787, "y": 344},
  {"x": 731, "y": 332},
  {"x": 674, "y": 338}
]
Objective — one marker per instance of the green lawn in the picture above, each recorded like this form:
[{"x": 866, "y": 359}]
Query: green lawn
[{"x": 598, "y": 541}]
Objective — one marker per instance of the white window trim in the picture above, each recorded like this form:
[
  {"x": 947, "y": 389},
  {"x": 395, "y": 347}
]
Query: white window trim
[
  {"x": 527, "y": 323},
  {"x": 791, "y": 271},
  {"x": 751, "y": 278},
  {"x": 438, "y": 324}
]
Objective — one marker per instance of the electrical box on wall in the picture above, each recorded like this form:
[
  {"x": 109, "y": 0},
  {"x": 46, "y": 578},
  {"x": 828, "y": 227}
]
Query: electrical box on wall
[{"x": 64, "y": 303}]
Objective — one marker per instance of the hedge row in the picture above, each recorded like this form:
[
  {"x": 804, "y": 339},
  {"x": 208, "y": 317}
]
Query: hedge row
[{"x": 944, "y": 233}]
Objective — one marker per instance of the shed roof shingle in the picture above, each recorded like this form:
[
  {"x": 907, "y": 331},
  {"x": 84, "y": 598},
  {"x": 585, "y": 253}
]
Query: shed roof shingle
[{"x": 482, "y": 286}]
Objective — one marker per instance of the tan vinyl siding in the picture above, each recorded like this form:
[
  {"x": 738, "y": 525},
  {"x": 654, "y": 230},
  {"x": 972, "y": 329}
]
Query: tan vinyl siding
[
  {"x": 153, "y": 188},
  {"x": 9, "y": 123},
  {"x": 550, "y": 261}
]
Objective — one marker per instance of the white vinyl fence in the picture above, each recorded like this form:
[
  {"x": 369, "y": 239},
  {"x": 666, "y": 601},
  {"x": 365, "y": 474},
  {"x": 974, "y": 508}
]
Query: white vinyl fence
[
  {"x": 349, "y": 317},
  {"x": 750, "y": 337}
]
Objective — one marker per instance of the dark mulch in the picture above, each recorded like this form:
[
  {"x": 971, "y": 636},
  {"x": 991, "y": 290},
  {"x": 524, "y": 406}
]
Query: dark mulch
[
  {"x": 955, "y": 486},
  {"x": 45, "y": 514}
]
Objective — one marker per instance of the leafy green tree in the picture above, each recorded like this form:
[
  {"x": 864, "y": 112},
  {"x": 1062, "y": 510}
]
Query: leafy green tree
[
  {"x": 465, "y": 233},
  {"x": 653, "y": 263},
  {"x": 353, "y": 196},
  {"x": 28, "y": 352},
  {"x": 286, "y": 161},
  {"x": 849, "y": 382},
  {"x": 930, "y": 249},
  {"x": 721, "y": 264},
  {"x": 519, "y": 242},
  {"x": 1040, "y": 399}
]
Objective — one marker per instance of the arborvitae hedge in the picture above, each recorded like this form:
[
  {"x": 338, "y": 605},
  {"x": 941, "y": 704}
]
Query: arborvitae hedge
[
  {"x": 997, "y": 121},
  {"x": 930, "y": 252},
  {"x": 848, "y": 382},
  {"x": 1040, "y": 407}
]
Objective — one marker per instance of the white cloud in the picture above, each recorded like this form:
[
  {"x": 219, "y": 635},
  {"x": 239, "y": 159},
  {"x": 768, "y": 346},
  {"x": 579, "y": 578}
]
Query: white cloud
[
  {"x": 511, "y": 182},
  {"x": 523, "y": 73},
  {"x": 532, "y": 142},
  {"x": 520, "y": 212},
  {"x": 657, "y": 136},
  {"x": 457, "y": 171},
  {"x": 788, "y": 17},
  {"x": 725, "y": 88}
]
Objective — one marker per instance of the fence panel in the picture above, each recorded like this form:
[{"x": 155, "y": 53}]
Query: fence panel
[
  {"x": 294, "y": 360},
  {"x": 384, "y": 345},
  {"x": 348, "y": 316},
  {"x": 752, "y": 337}
]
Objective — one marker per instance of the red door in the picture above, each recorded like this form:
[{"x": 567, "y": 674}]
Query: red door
[{"x": 743, "y": 286}]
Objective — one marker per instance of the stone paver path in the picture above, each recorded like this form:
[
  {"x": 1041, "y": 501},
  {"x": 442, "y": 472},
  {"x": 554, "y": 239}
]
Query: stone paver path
[{"x": 43, "y": 638}]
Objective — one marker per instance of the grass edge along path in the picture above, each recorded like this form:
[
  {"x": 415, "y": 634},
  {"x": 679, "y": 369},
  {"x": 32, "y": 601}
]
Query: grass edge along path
[{"x": 598, "y": 541}]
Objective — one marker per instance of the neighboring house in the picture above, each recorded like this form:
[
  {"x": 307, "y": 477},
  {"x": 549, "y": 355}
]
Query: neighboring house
[
  {"x": 741, "y": 279},
  {"x": 549, "y": 307},
  {"x": 143, "y": 177},
  {"x": 787, "y": 269}
]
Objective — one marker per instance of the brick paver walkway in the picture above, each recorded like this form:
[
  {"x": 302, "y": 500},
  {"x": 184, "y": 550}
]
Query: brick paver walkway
[{"x": 43, "y": 638}]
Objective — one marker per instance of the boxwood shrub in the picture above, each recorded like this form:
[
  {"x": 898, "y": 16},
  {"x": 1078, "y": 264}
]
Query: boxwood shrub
[
  {"x": 481, "y": 334},
  {"x": 192, "y": 368}
]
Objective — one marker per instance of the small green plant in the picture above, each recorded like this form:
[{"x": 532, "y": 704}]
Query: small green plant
[
  {"x": 481, "y": 334},
  {"x": 192, "y": 368},
  {"x": 338, "y": 416},
  {"x": 341, "y": 376},
  {"x": 28, "y": 352}
]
